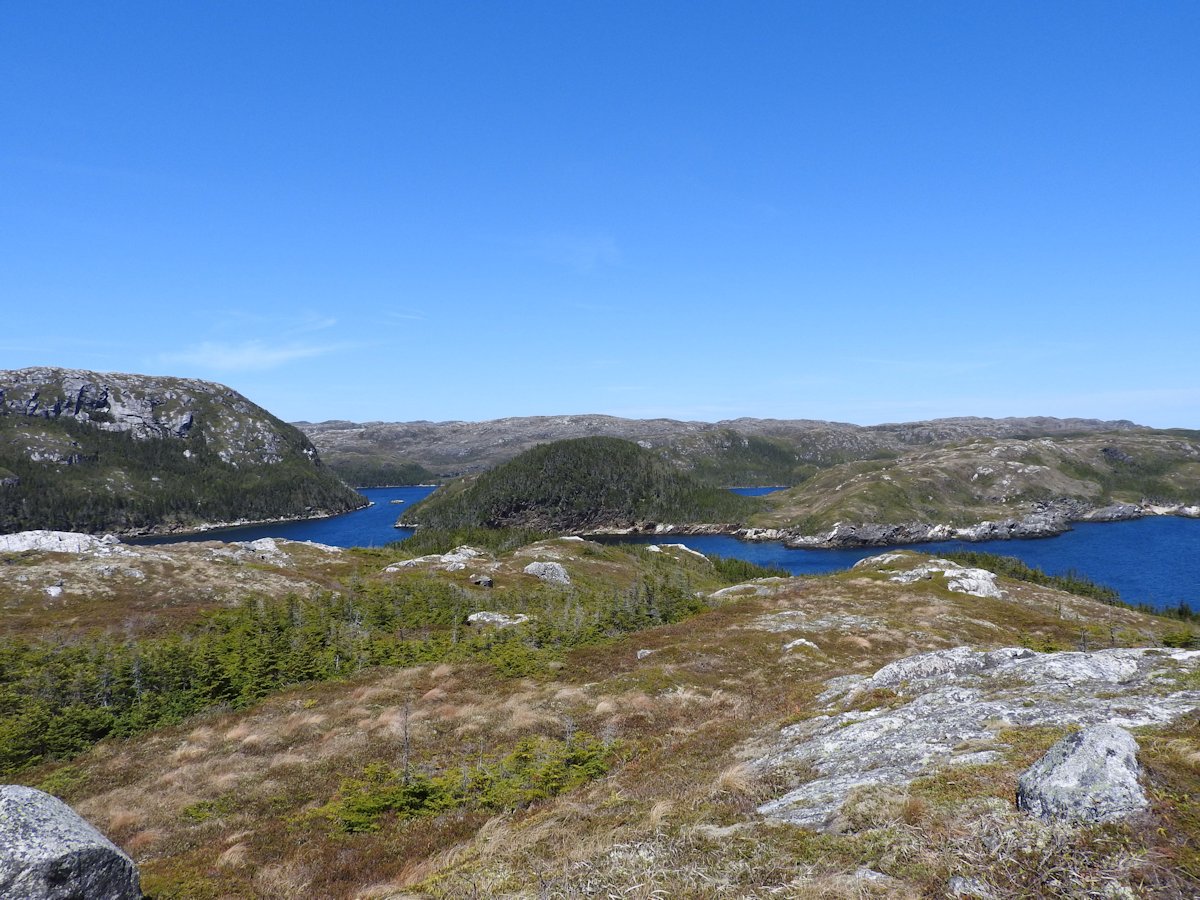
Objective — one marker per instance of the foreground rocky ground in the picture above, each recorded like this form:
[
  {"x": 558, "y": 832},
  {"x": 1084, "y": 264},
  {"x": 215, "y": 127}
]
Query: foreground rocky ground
[{"x": 860, "y": 734}]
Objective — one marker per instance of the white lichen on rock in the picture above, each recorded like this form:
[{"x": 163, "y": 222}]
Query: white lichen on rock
[
  {"x": 454, "y": 561},
  {"x": 951, "y": 702},
  {"x": 1089, "y": 776},
  {"x": 549, "y": 572},
  {"x": 49, "y": 852},
  {"x": 960, "y": 579}
]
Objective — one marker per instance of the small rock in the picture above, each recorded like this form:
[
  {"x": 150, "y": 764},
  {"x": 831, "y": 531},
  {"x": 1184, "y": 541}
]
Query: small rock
[
  {"x": 49, "y": 852},
  {"x": 1089, "y": 776},
  {"x": 499, "y": 620},
  {"x": 550, "y": 572},
  {"x": 642, "y": 654},
  {"x": 864, "y": 874},
  {"x": 482, "y": 580},
  {"x": 959, "y": 886}
]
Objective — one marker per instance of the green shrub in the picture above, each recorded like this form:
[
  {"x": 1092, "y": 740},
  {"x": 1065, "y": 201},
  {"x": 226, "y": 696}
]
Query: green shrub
[{"x": 537, "y": 769}]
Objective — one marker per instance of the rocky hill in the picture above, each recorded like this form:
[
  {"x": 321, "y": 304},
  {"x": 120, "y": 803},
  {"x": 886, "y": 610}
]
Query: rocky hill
[
  {"x": 983, "y": 489},
  {"x": 987, "y": 489},
  {"x": 570, "y": 719},
  {"x": 739, "y": 451},
  {"x": 576, "y": 485},
  {"x": 91, "y": 451}
]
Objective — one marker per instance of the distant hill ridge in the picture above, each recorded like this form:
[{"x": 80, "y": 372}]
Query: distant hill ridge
[
  {"x": 734, "y": 451},
  {"x": 97, "y": 451}
]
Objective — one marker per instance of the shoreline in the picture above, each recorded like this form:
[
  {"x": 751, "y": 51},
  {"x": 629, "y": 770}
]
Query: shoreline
[
  {"x": 205, "y": 527},
  {"x": 846, "y": 536}
]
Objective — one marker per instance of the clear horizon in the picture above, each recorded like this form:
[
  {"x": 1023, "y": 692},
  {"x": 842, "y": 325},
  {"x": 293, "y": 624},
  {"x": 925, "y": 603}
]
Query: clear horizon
[{"x": 858, "y": 212}]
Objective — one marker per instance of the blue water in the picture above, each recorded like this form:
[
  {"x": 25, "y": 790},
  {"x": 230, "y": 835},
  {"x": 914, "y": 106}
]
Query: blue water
[
  {"x": 372, "y": 526},
  {"x": 758, "y": 491},
  {"x": 1154, "y": 560}
]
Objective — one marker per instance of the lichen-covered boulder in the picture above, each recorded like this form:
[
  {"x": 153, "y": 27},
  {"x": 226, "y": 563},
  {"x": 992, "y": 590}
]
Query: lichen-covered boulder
[
  {"x": 49, "y": 852},
  {"x": 1089, "y": 776},
  {"x": 550, "y": 572}
]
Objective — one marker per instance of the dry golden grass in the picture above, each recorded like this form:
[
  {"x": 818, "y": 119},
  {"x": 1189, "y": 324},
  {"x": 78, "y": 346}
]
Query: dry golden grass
[{"x": 224, "y": 803}]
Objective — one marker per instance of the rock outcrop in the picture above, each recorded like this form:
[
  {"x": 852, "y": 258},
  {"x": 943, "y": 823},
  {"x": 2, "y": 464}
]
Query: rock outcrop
[
  {"x": 454, "y": 561},
  {"x": 947, "y": 706},
  {"x": 60, "y": 542},
  {"x": 49, "y": 852},
  {"x": 146, "y": 406},
  {"x": 1089, "y": 776},
  {"x": 549, "y": 572},
  {"x": 960, "y": 579},
  {"x": 495, "y": 619}
]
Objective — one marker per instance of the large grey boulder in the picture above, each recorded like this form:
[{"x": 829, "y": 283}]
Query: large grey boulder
[
  {"x": 49, "y": 852},
  {"x": 1089, "y": 776},
  {"x": 550, "y": 572}
]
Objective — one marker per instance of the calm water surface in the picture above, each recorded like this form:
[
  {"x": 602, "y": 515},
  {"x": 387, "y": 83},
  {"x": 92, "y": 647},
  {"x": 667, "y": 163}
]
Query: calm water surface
[
  {"x": 372, "y": 526},
  {"x": 1153, "y": 560}
]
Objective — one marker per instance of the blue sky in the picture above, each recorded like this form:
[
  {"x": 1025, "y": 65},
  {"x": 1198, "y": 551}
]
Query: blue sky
[{"x": 866, "y": 212}]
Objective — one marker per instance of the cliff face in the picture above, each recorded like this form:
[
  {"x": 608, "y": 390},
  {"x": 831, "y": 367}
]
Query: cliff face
[
  {"x": 111, "y": 451},
  {"x": 147, "y": 407}
]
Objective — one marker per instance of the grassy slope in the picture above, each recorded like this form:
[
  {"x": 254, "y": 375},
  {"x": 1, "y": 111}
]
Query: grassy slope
[
  {"x": 227, "y": 804},
  {"x": 996, "y": 479},
  {"x": 577, "y": 485}
]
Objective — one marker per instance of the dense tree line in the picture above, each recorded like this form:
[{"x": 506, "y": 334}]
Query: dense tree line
[
  {"x": 115, "y": 482},
  {"x": 579, "y": 484},
  {"x": 745, "y": 460},
  {"x": 362, "y": 472}
]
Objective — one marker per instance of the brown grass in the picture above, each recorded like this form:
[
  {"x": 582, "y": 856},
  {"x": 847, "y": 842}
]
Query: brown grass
[{"x": 676, "y": 817}]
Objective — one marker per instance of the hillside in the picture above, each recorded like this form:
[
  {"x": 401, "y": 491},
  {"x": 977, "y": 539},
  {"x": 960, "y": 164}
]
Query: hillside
[
  {"x": 576, "y": 485},
  {"x": 91, "y": 451},
  {"x": 1027, "y": 487},
  {"x": 651, "y": 727},
  {"x": 736, "y": 452}
]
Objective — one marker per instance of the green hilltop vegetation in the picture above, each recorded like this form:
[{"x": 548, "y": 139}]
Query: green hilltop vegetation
[
  {"x": 726, "y": 457},
  {"x": 577, "y": 485},
  {"x": 95, "y": 452},
  {"x": 365, "y": 473}
]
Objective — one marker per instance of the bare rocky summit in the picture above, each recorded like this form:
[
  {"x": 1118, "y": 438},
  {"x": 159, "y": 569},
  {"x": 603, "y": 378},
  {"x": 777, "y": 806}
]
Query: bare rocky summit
[{"x": 148, "y": 406}]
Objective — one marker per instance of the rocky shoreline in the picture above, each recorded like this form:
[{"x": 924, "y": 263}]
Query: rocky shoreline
[
  {"x": 203, "y": 528},
  {"x": 1047, "y": 520}
]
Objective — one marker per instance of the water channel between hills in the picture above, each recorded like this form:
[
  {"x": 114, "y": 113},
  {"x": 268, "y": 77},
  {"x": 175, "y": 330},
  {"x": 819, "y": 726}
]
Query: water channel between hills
[{"x": 1153, "y": 560}]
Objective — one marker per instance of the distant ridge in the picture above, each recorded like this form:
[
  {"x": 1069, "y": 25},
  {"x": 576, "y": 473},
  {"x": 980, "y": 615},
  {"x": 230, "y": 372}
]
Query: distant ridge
[{"x": 735, "y": 451}]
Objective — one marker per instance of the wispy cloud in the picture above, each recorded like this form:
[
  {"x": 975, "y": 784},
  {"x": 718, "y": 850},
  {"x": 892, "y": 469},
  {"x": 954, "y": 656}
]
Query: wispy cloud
[
  {"x": 584, "y": 253},
  {"x": 312, "y": 322},
  {"x": 403, "y": 315},
  {"x": 246, "y": 356}
]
